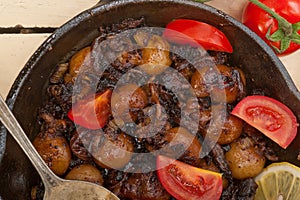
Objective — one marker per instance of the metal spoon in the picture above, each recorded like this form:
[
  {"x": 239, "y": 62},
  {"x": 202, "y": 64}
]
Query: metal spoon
[{"x": 55, "y": 187}]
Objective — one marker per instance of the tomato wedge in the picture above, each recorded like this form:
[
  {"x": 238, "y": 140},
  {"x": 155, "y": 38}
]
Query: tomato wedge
[
  {"x": 92, "y": 112},
  {"x": 184, "y": 181},
  {"x": 195, "y": 33},
  {"x": 271, "y": 117}
]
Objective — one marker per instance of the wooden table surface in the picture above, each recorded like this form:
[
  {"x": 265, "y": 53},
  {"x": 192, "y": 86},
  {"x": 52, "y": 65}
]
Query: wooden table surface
[{"x": 46, "y": 15}]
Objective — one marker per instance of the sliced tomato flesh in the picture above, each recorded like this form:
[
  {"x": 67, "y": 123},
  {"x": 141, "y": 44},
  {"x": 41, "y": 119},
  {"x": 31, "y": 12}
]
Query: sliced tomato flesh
[
  {"x": 196, "y": 33},
  {"x": 184, "y": 181},
  {"x": 271, "y": 117},
  {"x": 92, "y": 112}
]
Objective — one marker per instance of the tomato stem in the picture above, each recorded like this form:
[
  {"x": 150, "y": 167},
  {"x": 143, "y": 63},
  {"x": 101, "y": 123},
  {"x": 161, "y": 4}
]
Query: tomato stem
[
  {"x": 272, "y": 13},
  {"x": 286, "y": 32}
]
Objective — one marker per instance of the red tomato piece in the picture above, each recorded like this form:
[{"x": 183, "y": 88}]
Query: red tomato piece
[
  {"x": 92, "y": 112},
  {"x": 195, "y": 33},
  {"x": 271, "y": 117},
  {"x": 184, "y": 181},
  {"x": 260, "y": 21}
]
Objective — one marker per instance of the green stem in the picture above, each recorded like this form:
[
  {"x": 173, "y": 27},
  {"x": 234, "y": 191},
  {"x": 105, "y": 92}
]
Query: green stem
[{"x": 287, "y": 27}]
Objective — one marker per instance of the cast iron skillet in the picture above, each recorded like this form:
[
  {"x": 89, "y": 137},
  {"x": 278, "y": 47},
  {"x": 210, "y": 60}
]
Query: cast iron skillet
[{"x": 261, "y": 66}]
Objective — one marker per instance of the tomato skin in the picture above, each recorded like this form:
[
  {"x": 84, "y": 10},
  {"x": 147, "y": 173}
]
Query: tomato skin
[
  {"x": 92, "y": 112},
  {"x": 271, "y": 117},
  {"x": 259, "y": 21},
  {"x": 184, "y": 181},
  {"x": 195, "y": 33}
]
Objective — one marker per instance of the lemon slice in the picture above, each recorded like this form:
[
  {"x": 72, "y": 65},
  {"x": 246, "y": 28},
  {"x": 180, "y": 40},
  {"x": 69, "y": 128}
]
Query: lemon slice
[{"x": 279, "y": 181}]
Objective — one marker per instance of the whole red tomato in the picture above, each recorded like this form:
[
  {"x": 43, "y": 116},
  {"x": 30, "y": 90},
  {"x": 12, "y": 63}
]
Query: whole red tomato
[{"x": 260, "y": 22}]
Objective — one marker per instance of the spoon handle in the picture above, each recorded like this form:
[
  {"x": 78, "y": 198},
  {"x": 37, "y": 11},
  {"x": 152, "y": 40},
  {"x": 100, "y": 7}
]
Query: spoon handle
[{"x": 12, "y": 125}]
